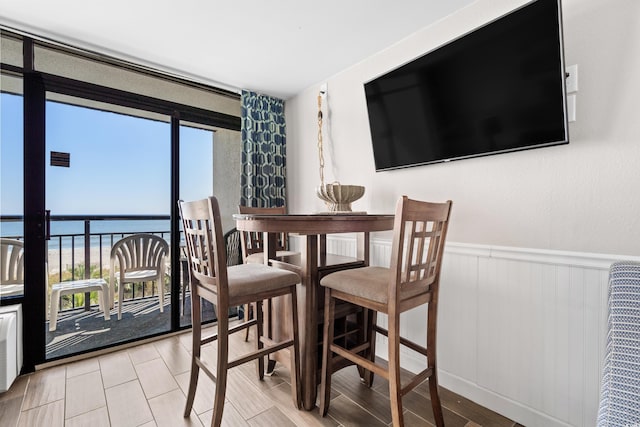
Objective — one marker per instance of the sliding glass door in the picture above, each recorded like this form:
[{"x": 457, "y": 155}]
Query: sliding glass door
[
  {"x": 210, "y": 161},
  {"x": 196, "y": 182},
  {"x": 91, "y": 154},
  {"x": 108, "y": 178},
  {"x": 11, "y": 191}
]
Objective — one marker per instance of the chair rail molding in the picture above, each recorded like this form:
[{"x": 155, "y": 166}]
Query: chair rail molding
[{"x": 521, "y": 331}]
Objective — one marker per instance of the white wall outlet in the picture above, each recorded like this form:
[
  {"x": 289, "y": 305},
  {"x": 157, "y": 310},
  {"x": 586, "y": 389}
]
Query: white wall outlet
[
  {"x": 323, "y": 88},
  {"x": 572, "y": 78}
]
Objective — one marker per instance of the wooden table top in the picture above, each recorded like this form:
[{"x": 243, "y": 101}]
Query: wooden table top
[{"x": 314, "y": 223}]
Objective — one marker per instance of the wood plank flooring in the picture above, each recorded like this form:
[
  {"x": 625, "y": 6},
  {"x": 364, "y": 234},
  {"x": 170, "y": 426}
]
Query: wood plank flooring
[{"x": 146, "y": 385}]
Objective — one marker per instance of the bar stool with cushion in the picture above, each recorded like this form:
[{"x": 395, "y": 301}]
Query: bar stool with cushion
[
  {"x": 226, "y": 287},
  {"x": 253, "y": 246},
  {"x": 234, "y": 251},
  {"x": 412, "y": 280}
]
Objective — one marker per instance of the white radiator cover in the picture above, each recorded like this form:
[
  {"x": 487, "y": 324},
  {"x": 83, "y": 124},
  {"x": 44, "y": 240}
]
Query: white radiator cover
[
  {"x": 521, "y": 331},
  {"x": 10, "y": 345}
]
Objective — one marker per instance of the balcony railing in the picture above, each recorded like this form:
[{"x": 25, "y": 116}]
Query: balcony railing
[{"x": 74, "y": 254}]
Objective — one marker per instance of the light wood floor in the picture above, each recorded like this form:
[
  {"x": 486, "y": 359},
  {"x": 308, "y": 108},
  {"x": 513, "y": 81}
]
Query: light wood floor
[{"x": 146, "y": 385}]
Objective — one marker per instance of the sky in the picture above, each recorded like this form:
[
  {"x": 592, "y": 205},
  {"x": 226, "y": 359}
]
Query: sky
[{"x": 118, "y": 164}]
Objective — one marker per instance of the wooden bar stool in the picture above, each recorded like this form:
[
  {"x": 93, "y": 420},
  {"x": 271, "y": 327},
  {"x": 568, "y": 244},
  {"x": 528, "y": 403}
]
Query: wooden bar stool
[
  {"x": 419, "y": 235},
  {"x": 226, "y": 287},
  {"x": 253, "y": 247}
]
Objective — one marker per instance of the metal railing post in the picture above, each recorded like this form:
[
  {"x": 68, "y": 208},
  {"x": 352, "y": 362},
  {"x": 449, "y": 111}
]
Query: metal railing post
[{"x": 87, "y": 261}]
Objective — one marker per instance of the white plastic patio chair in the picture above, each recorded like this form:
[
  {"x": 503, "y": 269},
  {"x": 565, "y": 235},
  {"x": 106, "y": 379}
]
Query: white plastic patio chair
[
  {"x": 139, "y": 258},
  {"x": 11, "y": 267}
]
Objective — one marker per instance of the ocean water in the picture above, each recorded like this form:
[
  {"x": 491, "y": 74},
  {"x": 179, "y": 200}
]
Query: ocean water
[{"x": 62, "y": 231}]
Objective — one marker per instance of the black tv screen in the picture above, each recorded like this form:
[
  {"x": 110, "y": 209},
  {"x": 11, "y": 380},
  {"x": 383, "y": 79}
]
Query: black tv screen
[{"x": 497, "y": 89}]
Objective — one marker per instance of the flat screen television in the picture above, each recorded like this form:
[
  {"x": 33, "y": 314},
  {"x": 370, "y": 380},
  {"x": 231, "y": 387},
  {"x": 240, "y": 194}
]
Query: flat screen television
[{"x": 497, "y": 89}]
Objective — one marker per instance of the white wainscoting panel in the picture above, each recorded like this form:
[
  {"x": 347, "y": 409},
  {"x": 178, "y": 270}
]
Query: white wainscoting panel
[{"x": 521, "y": 331}]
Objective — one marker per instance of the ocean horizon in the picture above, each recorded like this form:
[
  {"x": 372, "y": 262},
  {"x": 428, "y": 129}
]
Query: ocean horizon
[{"x": 62, "y": 231}]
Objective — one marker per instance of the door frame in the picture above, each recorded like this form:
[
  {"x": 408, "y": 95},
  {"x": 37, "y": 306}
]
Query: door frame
[{"x": 35, "y": 86}]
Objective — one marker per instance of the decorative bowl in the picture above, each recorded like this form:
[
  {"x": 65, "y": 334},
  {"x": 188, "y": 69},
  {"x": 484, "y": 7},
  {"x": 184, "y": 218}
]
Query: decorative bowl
[{"x": 338, "y": 197}]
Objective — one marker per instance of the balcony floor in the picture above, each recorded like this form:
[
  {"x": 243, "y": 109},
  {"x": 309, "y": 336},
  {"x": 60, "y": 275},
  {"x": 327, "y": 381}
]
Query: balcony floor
[{"x": 80, "y": 331}]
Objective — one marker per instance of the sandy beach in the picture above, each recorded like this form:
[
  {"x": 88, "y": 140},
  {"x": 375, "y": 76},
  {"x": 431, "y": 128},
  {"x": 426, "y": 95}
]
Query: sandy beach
[{"x": 62, "y": 260}]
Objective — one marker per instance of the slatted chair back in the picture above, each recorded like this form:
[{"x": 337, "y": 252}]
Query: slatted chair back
[
  {"x": 202, "y": 227},
  {"x": 12, "y": 261},
  {"x": 11, "y": 267},
  {"x": 420, "y": 231},
  {"x": 252, "y": 241},
  {"x": 234, "y": 251},
  {"x": 140, "y": 252},
  {"x": 139, "y": 258}
]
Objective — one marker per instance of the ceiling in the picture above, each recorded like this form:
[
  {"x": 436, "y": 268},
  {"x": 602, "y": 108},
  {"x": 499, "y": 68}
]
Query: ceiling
[{"x": 277, "y": 47}]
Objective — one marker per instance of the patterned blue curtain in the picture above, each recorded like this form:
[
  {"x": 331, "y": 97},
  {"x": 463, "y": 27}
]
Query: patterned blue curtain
[{"x": 264, "y": 152}]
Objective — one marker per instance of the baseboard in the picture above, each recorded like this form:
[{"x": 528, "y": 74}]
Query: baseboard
[{"x": 500, "y": 404}]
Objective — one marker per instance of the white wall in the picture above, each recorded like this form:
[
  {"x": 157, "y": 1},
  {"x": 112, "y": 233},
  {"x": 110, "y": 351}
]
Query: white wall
[
  {"x": 578, "y": 197},
  {"x": 520, "y": 331},
  {"x": 547, "y": 209}
]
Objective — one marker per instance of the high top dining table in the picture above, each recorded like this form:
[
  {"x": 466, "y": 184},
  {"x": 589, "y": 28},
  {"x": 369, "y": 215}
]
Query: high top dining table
[{"x": 312, "y": 264}]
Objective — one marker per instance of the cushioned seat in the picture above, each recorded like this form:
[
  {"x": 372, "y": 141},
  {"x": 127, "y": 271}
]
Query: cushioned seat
[
  {"x": 367, "y": 281},
  {"x": 249, "y": 279}
]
